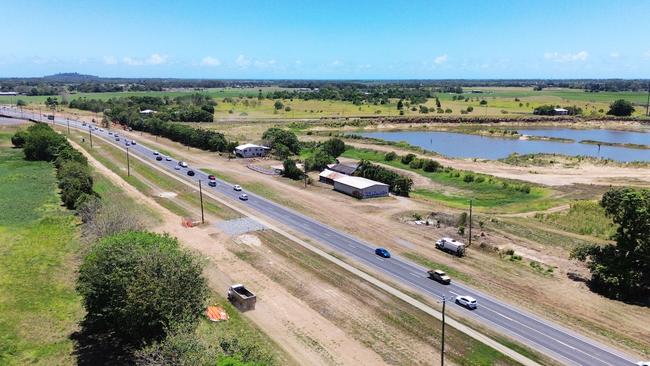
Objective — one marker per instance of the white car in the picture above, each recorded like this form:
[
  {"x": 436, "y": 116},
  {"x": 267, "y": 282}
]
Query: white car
[
  {"x": 243, "y": 197},
  {"x": 183, "y": 164},
  {"x": 643, "y": 363},
  {"x": 156, "y": 153},
  {"x": 177, "y": 167},
  {"x": 168, "y": 158},
  {"x": 132, "y": 142},
  {"x": 236, "y": 187},
  {"x": 466, "y": 301}
]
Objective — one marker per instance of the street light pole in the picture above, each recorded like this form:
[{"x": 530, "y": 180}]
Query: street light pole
[
  {"x": 470, "y": 223},
  {"x": 442, "y": 346},
  {"x": 201, "y": 199}
]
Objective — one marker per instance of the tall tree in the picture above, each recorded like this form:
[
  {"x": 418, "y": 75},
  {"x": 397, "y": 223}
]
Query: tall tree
[{"x": 622, "y": 270}]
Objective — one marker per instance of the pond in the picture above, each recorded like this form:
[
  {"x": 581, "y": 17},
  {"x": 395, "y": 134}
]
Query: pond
[{"x": 460, "y": 145}]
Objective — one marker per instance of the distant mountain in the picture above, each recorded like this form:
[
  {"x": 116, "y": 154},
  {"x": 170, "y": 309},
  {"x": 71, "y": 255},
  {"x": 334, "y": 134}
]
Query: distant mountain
[{"x": 71, "y": 77}]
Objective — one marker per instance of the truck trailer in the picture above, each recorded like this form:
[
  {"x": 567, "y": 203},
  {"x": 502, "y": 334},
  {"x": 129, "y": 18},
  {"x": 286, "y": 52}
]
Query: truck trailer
[
  {"x": 241, "y": 297},
  {"x": 451, "y": 246}
]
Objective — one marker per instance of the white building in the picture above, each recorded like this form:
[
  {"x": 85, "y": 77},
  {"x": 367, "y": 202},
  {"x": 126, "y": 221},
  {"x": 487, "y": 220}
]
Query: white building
[
  {"x": 360, "y": 187},
  {"x": 147, "y": 111},
  {"x": 251, "y": 150},
  {"x": 560, "y": 111}
]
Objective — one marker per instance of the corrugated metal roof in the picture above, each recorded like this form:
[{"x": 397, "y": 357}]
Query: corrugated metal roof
[
  {"x": 329, "y": 174},
  {"x": 246, "y": 146},
  {"x": 348, "y": 169},
  {"x": 357, "y": 182}
]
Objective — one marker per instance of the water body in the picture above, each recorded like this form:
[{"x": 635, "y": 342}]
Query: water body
[{"x": 459, "y": 145}]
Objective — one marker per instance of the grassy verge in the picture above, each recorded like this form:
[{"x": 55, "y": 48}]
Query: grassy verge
[
  {"x": 39, "y": 308},
  {"x": 487, "y": 192},
  {"x": 584, "y": 218}
]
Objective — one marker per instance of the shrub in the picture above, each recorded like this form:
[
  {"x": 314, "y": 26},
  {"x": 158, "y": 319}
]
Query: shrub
[
  {"x": 406, "y": 159},
  {"x": 291, "y": 170},
  {"x": 18, "y": 139},
  {"x": 620, "y": 108},
  {"x": 390, "y": 156},
  {"x": 431, "y": 166},
  {"x": 479, "y": 179},
  {"x": 416, "y": 164},
  {"x": 468, "y": 178},
  {"x": 334, "y": 147},
  {"x": 141, "y": 284}
]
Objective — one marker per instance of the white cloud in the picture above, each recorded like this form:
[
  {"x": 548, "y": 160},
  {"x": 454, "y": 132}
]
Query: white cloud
[
  {"x": 243, "y": 61},
  {"x": 566, "y": 57},
  {"x": 615, "y": 54},
  {"x": 210, "y": 61},
  {"x": 154, "y": 59},
  {"x": 441, "y": 59},
  {"x": 263, "y": 64},
  {"x": 110, "y": 60},
  {"x": 646, "y": 54}
]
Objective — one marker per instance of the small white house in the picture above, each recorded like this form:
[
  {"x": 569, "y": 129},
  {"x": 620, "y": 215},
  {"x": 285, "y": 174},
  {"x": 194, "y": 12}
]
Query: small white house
[
  {"x": 360, "y": 187},
  {"x": 147, "y": 111},
  {"x": 251, "y": 150},
  {"x": 560, "y": 111}
]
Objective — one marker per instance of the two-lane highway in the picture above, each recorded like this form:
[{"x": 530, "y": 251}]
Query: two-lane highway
[{"x": 554, "y": 340}]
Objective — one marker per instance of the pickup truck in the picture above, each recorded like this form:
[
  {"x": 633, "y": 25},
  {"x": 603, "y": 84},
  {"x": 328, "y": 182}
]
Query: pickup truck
[
  {"x": 241, "y": 297},
  {"x": 440, "y": 276}
]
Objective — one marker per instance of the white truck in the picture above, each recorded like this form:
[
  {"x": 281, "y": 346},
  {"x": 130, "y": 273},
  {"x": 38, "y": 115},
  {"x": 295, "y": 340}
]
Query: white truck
[
  {"x": 241, "y": 297},
  {"x": 451, "y": 246}
]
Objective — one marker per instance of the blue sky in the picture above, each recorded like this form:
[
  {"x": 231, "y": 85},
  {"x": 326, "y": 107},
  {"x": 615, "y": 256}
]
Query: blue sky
[{"x": 328, "y": 39}]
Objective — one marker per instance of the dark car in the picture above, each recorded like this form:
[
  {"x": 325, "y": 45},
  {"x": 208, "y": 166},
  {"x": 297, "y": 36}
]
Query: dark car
[
  {"x": 159, "y": 158},
  {"x": 212, "y": 183},
  {"x": 382, "y": 252},
  {"x": 190, "y": 173},
  {"x": 211, "y": 177}
]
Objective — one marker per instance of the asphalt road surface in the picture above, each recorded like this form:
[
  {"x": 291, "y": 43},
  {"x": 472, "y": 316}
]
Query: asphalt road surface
[{"x": 542, "y": 335}]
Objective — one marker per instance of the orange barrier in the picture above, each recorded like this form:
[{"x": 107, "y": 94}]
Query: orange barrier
[{"x": 216, "y": 313}]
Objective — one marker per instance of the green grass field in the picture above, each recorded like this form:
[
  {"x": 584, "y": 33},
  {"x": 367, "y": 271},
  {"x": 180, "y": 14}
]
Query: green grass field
[
  {"x": 500, "y": 102},
  {"x": 488, "y": 195},
  {"x": 39, "y": 307}
]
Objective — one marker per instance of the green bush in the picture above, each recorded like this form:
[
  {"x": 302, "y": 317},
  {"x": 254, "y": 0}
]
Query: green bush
[
  {"x": 19, "y": 138},
  {"x": 416, "y": 164},
  {"x": 390, "y": 156},
  {"x": 431, "y": 166},
  {"x": 406, "y": 159},
  {"x": 140, "y": 285},
  {"x": 468, "y": 178}
]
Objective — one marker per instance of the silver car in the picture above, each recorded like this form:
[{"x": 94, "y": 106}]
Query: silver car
[{"x": 466, "y": 301}]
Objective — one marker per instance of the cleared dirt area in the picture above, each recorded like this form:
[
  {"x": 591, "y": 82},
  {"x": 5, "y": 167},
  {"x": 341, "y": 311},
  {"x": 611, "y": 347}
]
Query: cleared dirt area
[{"x": 385, "y": 222}]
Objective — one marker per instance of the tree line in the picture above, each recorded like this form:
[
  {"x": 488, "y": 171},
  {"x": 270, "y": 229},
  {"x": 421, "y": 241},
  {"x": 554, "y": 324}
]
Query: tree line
[
  {"x": 188, "y": 108},
  {"x": 41, "y": 142}
]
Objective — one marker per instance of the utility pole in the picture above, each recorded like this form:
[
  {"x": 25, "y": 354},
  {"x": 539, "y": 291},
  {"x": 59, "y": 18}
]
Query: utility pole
[
  {"x": 647, "y": 104},
  {"x": 68, "y": 119},
  {"x": 128, "y": 163},
  {"x": 304, "y": 168},
  {"x": 442, "y": 347},
  {"x": 470, "y": 223},
  {"x": 201, "y": 199},
  {"x": 91, "y": 138}
]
